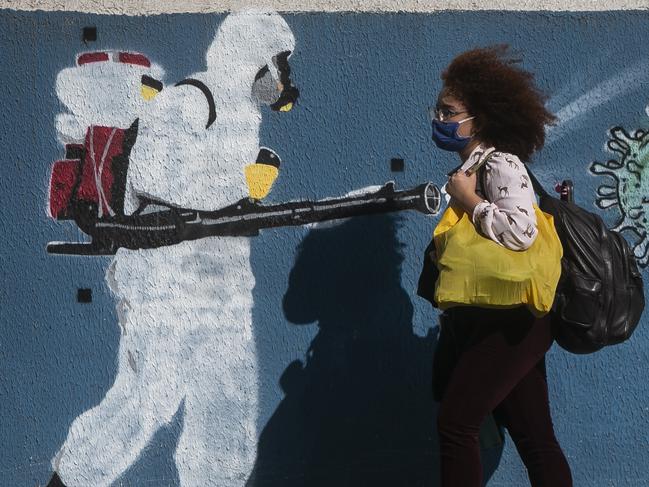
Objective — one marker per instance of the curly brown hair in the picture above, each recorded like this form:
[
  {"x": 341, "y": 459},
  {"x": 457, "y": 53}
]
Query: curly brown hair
[{"x": 509, "y": 109}]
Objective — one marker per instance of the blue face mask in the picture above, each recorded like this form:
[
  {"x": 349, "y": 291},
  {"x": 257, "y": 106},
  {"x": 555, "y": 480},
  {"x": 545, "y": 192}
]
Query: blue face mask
[{"x": 445, "y": 135}]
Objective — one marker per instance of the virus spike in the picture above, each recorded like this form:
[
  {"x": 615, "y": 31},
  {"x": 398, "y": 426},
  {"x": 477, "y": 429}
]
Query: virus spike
[
  {"x": 616, "y": 145},
  {"x": 621, "y": 135},
  {"x": 640, "y": 251},
  {"x": 626, "y": 224},
  {"x": 606, "y": 190},
  {"x": 614, "y": 164},
  {"x": 636, "y": 212},
  {"x": 643, "y": 140},
  {"x": 606, "y": 168},
  {"x": 605, "y": 203},
  {"x": 603, "y": 172},
  {"x": 621, "y": 226}
]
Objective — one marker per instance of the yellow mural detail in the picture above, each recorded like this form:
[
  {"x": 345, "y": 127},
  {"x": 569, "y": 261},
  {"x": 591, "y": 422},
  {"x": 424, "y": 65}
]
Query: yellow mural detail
[
  {"x": 260, "y": 178},
  {"x": 148, "y": 93}
]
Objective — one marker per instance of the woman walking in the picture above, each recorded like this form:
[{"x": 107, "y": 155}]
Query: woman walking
[{"x": 492, "y": 345}]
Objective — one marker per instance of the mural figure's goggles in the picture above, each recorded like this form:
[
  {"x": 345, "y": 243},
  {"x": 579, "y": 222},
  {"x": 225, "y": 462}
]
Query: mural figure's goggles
[{"x": 282, "y": 95}]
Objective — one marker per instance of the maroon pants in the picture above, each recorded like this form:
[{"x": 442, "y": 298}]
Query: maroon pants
[{"x": 499, "y": 367}]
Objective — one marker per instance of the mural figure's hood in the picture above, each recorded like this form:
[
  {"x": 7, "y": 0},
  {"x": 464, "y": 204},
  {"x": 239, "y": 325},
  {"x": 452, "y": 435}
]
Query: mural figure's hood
[{"x": 245, "y": 42}]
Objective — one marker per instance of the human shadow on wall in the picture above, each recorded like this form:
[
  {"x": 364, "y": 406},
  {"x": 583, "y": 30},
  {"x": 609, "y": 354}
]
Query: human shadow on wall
[{"x": 358, "y": 409}]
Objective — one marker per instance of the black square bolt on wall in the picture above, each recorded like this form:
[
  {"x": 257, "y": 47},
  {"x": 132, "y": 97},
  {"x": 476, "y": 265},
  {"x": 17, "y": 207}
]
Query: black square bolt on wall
[
  {"x": 397, "y": 165},
  {"x": 89, "y": 34},
  {"x": 84, "y": 295}
]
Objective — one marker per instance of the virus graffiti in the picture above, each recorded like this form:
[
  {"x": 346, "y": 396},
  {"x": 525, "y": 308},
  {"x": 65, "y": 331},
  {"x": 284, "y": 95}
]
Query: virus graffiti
[{"x": 630, "y": 190}]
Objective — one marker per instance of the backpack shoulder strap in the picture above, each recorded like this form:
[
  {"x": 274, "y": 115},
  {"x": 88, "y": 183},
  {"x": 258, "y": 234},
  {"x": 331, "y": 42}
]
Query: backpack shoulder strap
[
  {"x": 482, "y": 174},
  {"x": 482, "y": 177}
]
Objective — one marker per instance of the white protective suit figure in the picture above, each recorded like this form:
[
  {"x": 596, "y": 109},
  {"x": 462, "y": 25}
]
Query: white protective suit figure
[{"x": 185, "y": 311}]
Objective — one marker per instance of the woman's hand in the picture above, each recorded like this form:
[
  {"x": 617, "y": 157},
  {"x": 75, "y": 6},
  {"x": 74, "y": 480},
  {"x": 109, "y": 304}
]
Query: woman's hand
[{"x": 462, "y": 189}]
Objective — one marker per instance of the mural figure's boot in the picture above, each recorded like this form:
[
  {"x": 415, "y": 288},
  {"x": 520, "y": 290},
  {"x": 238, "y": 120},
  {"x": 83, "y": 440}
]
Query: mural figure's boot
[{"x": 55, "y": 481}]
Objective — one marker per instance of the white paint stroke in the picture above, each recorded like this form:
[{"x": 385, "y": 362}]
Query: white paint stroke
[
  {"x": 152, "y": 7},
  {"x": 602, "y": 93}
]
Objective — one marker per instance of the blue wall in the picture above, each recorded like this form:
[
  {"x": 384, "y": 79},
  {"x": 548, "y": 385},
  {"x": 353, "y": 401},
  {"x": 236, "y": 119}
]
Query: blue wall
[{"x": 344, "y": 343}]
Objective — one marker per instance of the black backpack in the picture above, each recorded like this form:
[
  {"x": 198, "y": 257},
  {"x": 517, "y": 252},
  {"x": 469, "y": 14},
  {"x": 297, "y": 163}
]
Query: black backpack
[{"x": 600, "y": 295}]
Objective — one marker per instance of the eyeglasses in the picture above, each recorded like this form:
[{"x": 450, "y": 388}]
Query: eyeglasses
[{"x": 442, "y": 114}]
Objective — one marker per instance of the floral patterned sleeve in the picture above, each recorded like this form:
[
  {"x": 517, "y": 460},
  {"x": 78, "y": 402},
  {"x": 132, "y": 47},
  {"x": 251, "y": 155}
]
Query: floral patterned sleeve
[{"x": 508, "y": 217}]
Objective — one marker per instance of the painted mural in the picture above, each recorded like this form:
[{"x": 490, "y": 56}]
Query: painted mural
[
  {"x": 184, "y": 310},
  {"x": 135, "y": 165},
  {"x": 150, "y": 170},
  {"x": 194, "y": 306},
  {"x": 629, "y": 190}
]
